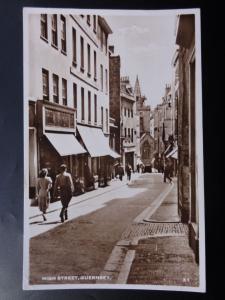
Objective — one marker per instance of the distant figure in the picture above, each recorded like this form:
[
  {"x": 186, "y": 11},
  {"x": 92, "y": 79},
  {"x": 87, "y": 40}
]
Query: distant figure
[
  {"x": 44, "y": 184},
  {"x": 128, "y": 171},
  {"x": 167, "y": 170},
  {"x": 88, "y": 178},
  {"x": 64, "y": 183},
  {"x": 120, "y": 171},
  {"x": 138, "y": 168}
]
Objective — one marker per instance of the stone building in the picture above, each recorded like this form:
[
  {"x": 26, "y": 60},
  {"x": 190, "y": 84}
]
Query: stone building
[
  {"x": 68, "y": 93},
  {"x": 187, "y": 131},
  {"x": 128, "y": 123},
  {"x": 123, "y": 111},
  {"x": 144, "y": 126},
  {"x": 115, "y": 100}
]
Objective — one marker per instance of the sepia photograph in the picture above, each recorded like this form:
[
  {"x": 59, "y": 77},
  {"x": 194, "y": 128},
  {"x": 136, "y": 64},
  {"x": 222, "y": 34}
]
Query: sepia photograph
[{"x": 113, "y": 150}]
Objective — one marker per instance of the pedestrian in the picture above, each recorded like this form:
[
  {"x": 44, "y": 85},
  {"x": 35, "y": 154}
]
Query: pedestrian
[
  {"x": 128, "y": 171},
  {"x": 167, "y": 170},
  {"x": 65, "y": 185},
  {"x": 138, "y": 168},
  {"x": 120, "y": 172},
  {"x": 44, "y": 184}
]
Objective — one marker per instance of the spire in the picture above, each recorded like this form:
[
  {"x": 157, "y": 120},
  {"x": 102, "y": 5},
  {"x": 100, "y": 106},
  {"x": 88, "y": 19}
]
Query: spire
[{"x": 137, "y": 89}]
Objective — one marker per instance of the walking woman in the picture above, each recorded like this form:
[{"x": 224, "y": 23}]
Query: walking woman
[{"x": 44, "y": 184}]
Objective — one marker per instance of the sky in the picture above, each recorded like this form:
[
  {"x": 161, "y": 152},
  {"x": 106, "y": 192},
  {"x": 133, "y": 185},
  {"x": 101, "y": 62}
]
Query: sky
[{"x": 146, "y": 45}]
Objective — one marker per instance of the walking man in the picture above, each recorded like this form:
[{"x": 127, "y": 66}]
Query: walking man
[
  {"x": 128, "y": 170},
  {"x": 64, "y": 183},
  {"x": 120, "y": 172}
]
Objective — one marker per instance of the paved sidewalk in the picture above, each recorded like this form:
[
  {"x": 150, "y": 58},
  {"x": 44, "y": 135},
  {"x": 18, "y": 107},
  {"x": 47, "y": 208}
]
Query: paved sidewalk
[
  {"x": 164, "y": 257},
  {"x": 155, "y": 250},
  {"x": 56, "y": 206}
]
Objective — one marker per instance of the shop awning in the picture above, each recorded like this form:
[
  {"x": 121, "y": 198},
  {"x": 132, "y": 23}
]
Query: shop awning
[
  {"x": 65, "y": 143},
  {"x": 114, "y": 154},
  {"x": 95, "y": 141},
  {"x": 173, "y": 153}
]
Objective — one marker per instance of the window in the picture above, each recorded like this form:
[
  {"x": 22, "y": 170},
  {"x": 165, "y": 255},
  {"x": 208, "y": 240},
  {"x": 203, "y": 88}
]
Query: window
[
  {"x": 75, "y": 95},
  {"x": 89, "y": 60},
  {"x": 128, "y": 112},
  {"x": 94, "y": 23},
  {"x": 106, "y": 80},
  {"x": 125, "y": 111},
  {"x": 101, "y": 38},
  {"x": 106, "y": 119},
  {"x": 89, "y": 20},
  {"x": 95, "y": 103},
  {"x": 125, "y": 132},
  {"x": 102, "y": 117},
  {"x": 54, "y": 31},
  {"x": 63, "y": 34},
  {"x": 64, "y": 91},
  {"x": 132, "y": 135},
  {"x": 44, "y": 26},
  {"x": 132, "y": 113},
  {"x": 82, "y": 104},
  {"x": 82, "y": 54},
  {"x": 45, "y": 84},
  {"x": 74, "y": 39},
  {"x": 101, "y": 66},
  {"x": 95, "y": 66},
  {"x": 55, "y": 79},
  {"x": 89, "y": 107},
  {"x": 129, "y": 132},
  {"x": 105, "y": 42}
]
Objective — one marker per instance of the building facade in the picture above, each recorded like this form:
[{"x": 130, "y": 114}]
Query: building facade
[
  {"x": 68, "y": 80},
  {"x": 187, "y": 131},
  {"x": 115, "y": 100},
  {"x": 128, "y": 123}
]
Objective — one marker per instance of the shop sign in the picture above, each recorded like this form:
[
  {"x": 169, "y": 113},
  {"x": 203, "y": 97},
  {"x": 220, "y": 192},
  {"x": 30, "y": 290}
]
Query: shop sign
[{"x": 57, "y": 118}]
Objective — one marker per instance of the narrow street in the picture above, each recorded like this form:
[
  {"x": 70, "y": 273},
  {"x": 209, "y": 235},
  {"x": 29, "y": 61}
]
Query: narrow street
[
  {"x": 98, "y": 239},
  {"x": 82, "y": 245}
]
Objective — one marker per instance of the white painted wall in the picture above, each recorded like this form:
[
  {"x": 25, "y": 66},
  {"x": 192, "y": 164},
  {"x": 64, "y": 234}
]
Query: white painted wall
[{"x": 43, "y": 55}]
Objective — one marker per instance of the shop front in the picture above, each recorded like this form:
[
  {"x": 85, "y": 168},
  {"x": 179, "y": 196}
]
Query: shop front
[
  {"x": 101, "y": 157},
  {"x": 57, "y": 143}
]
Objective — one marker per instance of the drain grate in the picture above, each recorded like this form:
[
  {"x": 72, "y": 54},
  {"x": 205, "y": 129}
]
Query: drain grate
[{"x": 151, "y": 229}]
